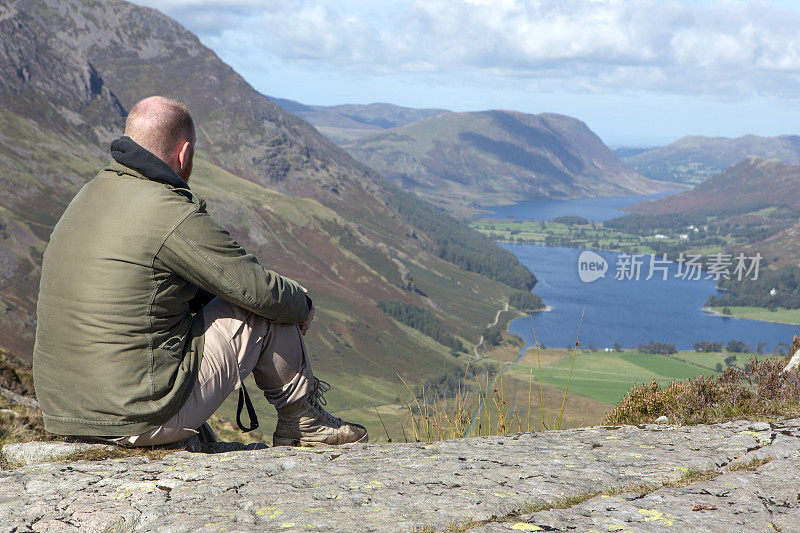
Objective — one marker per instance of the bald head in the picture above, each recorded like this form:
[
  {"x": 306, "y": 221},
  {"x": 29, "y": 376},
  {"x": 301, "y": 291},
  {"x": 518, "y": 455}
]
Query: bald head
[{"x": 164, "y": 127}]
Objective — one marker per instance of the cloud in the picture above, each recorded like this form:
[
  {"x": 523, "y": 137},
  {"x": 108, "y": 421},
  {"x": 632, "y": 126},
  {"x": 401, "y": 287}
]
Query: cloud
[{"x": 721, "y": 48}]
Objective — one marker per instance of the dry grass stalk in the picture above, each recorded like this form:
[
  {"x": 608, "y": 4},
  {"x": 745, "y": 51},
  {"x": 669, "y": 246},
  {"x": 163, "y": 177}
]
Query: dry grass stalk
[{"x": 467, "y": 413}]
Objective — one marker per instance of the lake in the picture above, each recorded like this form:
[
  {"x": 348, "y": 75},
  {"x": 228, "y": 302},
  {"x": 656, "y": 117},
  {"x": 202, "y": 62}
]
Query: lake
[{"x": 629, "y": 312}]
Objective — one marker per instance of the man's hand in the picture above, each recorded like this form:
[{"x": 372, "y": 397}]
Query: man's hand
[{"x": 307, "y": 323}]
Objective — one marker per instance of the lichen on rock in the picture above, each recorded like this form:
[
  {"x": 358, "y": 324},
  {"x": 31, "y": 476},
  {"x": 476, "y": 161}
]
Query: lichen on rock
[{"x": 624, "y": 477}]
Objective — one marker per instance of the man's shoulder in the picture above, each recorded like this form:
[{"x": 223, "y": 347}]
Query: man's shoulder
[
  {"x": 115, "y": 178},
  {"x": 114, "y": 167}
]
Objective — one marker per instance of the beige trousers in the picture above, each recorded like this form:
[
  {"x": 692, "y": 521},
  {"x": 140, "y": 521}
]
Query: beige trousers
[{"x": 237, "y": 342}]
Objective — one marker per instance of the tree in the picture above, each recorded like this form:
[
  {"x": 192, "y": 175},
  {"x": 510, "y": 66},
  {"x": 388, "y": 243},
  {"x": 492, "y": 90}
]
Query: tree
[
  {"x": 422, "y": 320},
  {"x": 493, "y": 336},
  {"x": 661, "y": 348},
  {"x": 525, "y": 301},
  {"x": 706, "y": 346},
  {"x": 737, "y": 346}
]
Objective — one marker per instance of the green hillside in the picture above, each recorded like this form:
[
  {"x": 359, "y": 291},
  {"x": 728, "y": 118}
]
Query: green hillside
[
  {"x": 492, "y": 157},
  {"x": 299, "y": 203},
  {"x": 754, "y": 204}
]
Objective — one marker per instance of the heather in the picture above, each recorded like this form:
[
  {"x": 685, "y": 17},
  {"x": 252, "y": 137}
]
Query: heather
[{"x": 760, "y": 390}]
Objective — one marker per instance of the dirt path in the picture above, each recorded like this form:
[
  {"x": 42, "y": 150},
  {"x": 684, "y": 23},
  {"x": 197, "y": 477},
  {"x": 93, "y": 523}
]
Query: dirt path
[{"x": 481, "y": 340}]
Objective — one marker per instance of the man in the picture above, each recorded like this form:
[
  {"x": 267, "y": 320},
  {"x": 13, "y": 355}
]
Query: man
[{"x": 119, "y": 352}]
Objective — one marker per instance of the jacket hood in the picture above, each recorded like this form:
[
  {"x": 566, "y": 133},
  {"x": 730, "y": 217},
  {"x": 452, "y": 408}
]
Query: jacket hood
[{"x": 128, "y": 152}]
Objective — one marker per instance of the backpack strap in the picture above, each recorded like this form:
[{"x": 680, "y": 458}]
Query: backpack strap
[{"x": 244, "y": 400}]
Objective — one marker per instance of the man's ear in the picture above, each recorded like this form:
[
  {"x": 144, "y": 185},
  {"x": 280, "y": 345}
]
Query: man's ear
[
  {"x": 185, "y": 155},
  {"x": 185, "y": 159}
]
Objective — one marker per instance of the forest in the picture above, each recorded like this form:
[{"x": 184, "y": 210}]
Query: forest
[
  {"x": 422, "y": 320},
  {"x": 525, "y": 301},
  {"x": 461, "y": 245},
  {"x": 774, "y": 288}
]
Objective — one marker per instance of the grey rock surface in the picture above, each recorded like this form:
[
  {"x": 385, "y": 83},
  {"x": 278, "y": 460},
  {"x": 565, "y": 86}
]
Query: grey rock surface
[
  {"x": 13, "y": 397},
  {"x": 27, "y": 453},
  {"x": 481, "y": 482},
  {"x": 760, "y": 500}
]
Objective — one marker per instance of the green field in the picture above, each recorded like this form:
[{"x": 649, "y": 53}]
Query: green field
[
  {"x": 780, "y": 315},
  {"x": 607, "y": 376},
  {"x": 593, "y": 235},
  {"x": 709, "y": 361}
]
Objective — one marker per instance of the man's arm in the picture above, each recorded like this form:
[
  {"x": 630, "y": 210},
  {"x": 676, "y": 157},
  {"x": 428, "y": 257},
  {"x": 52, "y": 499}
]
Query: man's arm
[{"x": 200, "y": 251}]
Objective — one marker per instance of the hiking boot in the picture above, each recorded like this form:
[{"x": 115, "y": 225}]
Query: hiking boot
[{"x": 307, "y": 423}]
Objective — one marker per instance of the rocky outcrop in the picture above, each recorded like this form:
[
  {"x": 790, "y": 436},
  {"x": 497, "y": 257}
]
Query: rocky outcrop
[
  {"x": 648, "y": 477},
  {"x": 52, "y": 84}
]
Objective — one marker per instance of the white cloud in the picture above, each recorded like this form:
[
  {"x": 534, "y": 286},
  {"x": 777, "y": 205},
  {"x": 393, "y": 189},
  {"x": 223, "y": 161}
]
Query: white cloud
[{"x": 720, "y": 48}]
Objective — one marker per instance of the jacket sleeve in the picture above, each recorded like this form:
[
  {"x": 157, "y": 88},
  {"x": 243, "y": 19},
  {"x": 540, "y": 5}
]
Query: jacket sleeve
[{"x": 200, "y": 251}]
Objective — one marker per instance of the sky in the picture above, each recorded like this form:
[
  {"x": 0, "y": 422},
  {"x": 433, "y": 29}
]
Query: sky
[{"x": 638, "y": 72}]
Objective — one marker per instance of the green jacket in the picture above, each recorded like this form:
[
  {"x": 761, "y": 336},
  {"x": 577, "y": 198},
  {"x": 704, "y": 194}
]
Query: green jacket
[{"x": 117, "y": 348}]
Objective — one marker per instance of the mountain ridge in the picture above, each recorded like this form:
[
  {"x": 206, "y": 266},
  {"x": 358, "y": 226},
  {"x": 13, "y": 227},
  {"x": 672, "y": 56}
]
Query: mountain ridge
[
  {"x": 753, "y": 180},
  {"x": 498, "y": 156},
  {"x": 693, "y": 158},
  {"x": 345, "y": 123}
]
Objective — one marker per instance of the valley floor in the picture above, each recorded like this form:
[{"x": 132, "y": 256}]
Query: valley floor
[{"x": 590, "y": 235}]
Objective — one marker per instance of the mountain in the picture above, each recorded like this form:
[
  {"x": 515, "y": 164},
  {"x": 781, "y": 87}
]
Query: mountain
[
  {"x": 346, "y": 123},
  {"x": 695, "y": 158},
  {"x": 72, "y": 68},
  {"x": 756, "y": 201},
  {"x": 754, "y": 182},
  {"x": 493, "y": 157}
]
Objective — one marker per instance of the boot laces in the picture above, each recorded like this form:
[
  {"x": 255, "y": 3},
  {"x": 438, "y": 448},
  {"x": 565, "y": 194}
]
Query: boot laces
[{"x": 317, "y": 400}]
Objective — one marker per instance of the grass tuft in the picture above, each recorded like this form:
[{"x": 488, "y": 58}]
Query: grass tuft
[{"x": 478, "y": 407}]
